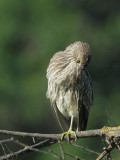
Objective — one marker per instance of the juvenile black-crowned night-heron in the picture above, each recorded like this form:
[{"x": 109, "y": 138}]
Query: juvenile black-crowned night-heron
[{"x": 69, "y": 87}]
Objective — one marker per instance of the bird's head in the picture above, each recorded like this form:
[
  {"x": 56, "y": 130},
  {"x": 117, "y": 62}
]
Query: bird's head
[{"x": 79, "y": 52}]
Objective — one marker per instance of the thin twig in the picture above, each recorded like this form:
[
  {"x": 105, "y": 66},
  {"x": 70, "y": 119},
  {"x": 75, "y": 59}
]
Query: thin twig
[
  {"x": 55, "y": 155},
  {"x": 6, "y": 140},
  {"x": 73, "y": 156},
  {"x": 8, "y": 150},
  {"x": 37, "y": 150},
  {"x": 62, "y": 152},
  {"x": 89, "y": 151},
  {"x": 5, "y": 155},
  {"x": 26, "y": 150},
  {"x": 106, "y": 151}
]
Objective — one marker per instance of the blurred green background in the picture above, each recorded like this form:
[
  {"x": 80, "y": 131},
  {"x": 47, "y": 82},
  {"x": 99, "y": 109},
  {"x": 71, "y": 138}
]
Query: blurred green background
[{"x": 30, "y": 33}]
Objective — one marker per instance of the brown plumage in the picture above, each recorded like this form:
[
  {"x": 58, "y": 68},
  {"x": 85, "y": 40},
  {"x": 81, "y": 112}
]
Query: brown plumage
[{"x": 69, "y": 86}]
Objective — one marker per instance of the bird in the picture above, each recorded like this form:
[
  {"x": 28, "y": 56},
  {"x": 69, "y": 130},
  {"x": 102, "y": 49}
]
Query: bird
[{"x": 70, "y": 87}]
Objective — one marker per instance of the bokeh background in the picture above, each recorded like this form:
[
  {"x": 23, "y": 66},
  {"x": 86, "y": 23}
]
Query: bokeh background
[{"x": 30, "y": 33}]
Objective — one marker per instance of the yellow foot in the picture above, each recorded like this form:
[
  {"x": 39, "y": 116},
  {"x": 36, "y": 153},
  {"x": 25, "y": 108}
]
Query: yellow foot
[{"x": 68, "y": 135}]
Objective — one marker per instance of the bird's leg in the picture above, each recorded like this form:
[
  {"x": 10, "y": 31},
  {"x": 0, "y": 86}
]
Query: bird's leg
[{"x": 70, "y": 131}]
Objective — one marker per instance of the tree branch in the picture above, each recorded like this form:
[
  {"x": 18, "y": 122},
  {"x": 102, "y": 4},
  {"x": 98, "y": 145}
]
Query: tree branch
[
  {"x": 104, "y": 132},
  {"x": 111, "y": 134},
  {"x": 26, "y": 148}
]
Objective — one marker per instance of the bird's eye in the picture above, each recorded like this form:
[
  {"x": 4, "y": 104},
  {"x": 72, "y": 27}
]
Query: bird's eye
[{"x": 79, "y": 61}]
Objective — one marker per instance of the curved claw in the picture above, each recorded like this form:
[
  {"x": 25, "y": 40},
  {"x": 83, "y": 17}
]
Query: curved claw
[{"x": 68, "y": 135}]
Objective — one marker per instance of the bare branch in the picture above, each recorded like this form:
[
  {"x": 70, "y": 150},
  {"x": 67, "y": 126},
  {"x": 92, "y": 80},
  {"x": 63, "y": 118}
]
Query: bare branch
[
  {"x": 37, "y": 150},
  {"x": 111, "y": 134},
  {"x": 104, "y": 132},
  {"x": 6, "y": 140},
  {"x": 26, "y": 149},
  {"x": 89, "y": 151},
  {"x": 62, "y": 152},
  {"x": 73, "y": 156},
  {"x": 106, "y": 151},
  {"x": 81, "y": 134}
]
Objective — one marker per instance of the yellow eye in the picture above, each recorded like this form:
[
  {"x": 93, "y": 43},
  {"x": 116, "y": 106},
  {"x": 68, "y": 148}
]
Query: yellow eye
[{"x": 79, "y": 61}]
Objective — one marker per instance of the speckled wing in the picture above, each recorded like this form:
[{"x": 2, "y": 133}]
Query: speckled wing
[
  {"x": 62, "y": 121},
  {"x": 86, "y": 102}
]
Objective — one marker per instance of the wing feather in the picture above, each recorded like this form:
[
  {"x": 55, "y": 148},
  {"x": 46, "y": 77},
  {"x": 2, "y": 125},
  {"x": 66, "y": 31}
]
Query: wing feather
[
  {"x": 62, "y": 121},
  {"x": 86, "y": 102}
]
